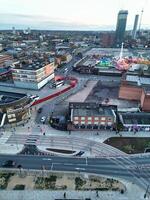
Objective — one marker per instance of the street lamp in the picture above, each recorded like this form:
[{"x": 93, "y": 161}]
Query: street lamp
[{"x": 145, "y": 195}]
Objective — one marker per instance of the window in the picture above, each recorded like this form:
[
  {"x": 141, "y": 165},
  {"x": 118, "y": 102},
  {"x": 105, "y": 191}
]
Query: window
[
  {"x": 12, "y": 120},
  {"x": 89, "y": 122},
  {"x": 96, "y": 122},
  {"x": 95, "y": 127},
  {"x": 76, "y": 126},
  {"x": 76, "y": 118},
  {"x": 89, "y": 118},
  {"x": 103, "y": 118},
  {"x": 11, "y": 116},
  {"x": 109, "y": 123},
  {"x": 109, "y": 119},
  {"x": 96, "y": 118},
  {"x": 89, "y": 126},
  {"x": 82, "y": 126},
  {"x": 102, "y": 123},
  {"x": 82, "y": 118},
  {"x": 75, "y": 122},
  {"x": 82, "y": 122}
]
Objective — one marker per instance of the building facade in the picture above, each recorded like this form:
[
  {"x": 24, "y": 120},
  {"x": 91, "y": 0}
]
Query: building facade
[
  {"x": 135, "y": 121},
  {"x": 136, "y": 88},
  {"x": 121, "y": 27},
  {"x": 14, "y": 108},
  {"x": 91, "y": 116},
  {"x": 32, "y": 75},
  {"x": 134, "y": 32}
]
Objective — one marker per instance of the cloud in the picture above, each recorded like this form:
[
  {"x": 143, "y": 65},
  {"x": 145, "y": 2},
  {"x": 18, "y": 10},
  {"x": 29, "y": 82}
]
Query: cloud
[
  {"x": 21, "y": 21},
  {"x": 41, "y": 22}
]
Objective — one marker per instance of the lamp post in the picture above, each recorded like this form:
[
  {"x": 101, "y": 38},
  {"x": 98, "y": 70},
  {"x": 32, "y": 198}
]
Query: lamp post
[{"x": 145, "y": 195}]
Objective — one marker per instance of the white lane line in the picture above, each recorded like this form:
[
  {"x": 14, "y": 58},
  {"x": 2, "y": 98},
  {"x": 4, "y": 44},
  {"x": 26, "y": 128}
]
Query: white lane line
[{"x": 46, "y": 159}]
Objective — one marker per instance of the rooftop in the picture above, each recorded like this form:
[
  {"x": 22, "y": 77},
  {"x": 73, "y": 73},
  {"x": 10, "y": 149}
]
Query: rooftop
[
  {"x": 108, "y": 51},
  {"x": 138, "y": 80},
  {"x": 92, "y": 112},
  {"x": 31, "y": 64},
  {"x": 8, "y": 97},
  {"x": 136, "y": 118}
]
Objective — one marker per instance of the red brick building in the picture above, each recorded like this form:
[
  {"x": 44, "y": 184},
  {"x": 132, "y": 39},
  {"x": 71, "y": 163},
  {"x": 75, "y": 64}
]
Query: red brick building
[
  {"x": 136, "y": 88},
  {"x": 89, "y": 116}
]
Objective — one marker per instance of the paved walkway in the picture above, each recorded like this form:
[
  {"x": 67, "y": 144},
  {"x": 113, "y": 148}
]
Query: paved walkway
[
  {"x": 133, "y": 193},
  {"x": 83, "y": 94}
]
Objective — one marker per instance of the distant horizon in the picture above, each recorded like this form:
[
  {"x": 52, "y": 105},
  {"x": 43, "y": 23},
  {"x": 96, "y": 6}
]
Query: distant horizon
[
  {"x": 92, "y": 15},
  {"x": 90, "y": 30}
]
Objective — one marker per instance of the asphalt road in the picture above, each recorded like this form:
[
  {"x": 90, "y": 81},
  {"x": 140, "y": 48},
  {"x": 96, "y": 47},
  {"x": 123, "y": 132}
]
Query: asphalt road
[{"x": 135, "y": 169}]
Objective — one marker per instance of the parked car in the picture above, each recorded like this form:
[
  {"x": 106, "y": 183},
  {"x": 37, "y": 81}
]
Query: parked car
[
  {"x": 35, "y": 97},
  {"x": 40, "y": 110},
  {"x": 9, "y": 163},
  {"x": 43, "y": 119}
]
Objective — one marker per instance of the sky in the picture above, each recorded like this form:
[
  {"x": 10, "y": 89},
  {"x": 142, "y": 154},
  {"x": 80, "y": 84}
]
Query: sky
[{"x": 70, "y": 14}]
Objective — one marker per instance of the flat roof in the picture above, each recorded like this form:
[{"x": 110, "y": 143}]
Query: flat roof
[
  {"x": 92, "y": 112},
  {"x": 136, "y": 118},
  {"x": 35, "y": 65},
  {"x": 8, "y": 97},
  {"x": 108, "y": 51},
  {"x": 138, "y": 80},
  {"x": 89, "y": 61}
]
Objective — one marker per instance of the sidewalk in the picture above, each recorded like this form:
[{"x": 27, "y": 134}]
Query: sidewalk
[
  {"x": 101, "y": 136},
  {"x": 133, "y": 193}
]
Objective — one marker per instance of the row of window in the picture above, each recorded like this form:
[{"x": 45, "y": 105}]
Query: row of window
[
  {"x": 92, "y": 127},
  {"x": 94, "y": 118},
  {"x": 29, "y": 76},
  {"x": 89, "y": 122},
  {"x": 29, "y": 72}
]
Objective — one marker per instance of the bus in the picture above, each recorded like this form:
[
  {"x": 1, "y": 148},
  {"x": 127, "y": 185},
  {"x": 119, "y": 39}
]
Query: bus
[{"x": 57, "y": 84}]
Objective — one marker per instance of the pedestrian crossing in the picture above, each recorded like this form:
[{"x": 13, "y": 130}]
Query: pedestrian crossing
[{"x": 74, "y": 143}]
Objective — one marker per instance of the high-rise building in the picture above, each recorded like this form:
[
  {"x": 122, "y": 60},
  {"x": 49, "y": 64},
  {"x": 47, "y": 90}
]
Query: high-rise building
[
  {"x": 134, "y": 32},
  {"x": 121, "y": 27},
  {"x": 14, "y": 30}
]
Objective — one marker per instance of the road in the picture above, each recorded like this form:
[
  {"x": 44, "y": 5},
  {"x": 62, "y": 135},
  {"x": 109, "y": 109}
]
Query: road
[
  {"x": 71, "y": 143},
  {"x": 126, "y": 167}
]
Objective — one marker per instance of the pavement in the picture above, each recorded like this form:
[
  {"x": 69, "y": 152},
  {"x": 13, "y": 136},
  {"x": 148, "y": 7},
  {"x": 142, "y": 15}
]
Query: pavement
[{"x": 133, "y": 194}]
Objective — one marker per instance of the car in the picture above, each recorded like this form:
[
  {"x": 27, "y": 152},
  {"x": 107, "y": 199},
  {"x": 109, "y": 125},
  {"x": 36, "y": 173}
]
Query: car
[
  {"x": 35, "y": 97},
  {"x": 43, "y": 119},
  {"x": 9, "y": 163},
  {"x": 40, "y": 110}
]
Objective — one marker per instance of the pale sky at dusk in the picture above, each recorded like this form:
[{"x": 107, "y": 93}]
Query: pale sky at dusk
[{"x": 70, "y": 14}]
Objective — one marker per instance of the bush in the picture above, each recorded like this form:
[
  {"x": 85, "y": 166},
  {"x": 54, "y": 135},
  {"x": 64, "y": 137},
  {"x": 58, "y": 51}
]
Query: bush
[
  {"x": 79, "y": 183},
  {"x": 46, "y": 183},
  {"x": 4, "y": 178}
]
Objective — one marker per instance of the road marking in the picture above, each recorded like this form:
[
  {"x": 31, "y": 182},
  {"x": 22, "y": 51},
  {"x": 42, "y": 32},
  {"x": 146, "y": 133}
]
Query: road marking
[
  {"x": 80, "y": 168},
  {"x": 46, "y": 159},
  {"x": 68, "y": 164}
]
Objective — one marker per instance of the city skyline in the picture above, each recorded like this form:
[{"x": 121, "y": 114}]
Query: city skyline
[{"x": 70, "y": 15}]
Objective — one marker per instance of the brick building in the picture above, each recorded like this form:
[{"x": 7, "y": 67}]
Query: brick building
[
  {"x": 136, "y": 88},
  {"x": 89, "y": 116}
]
